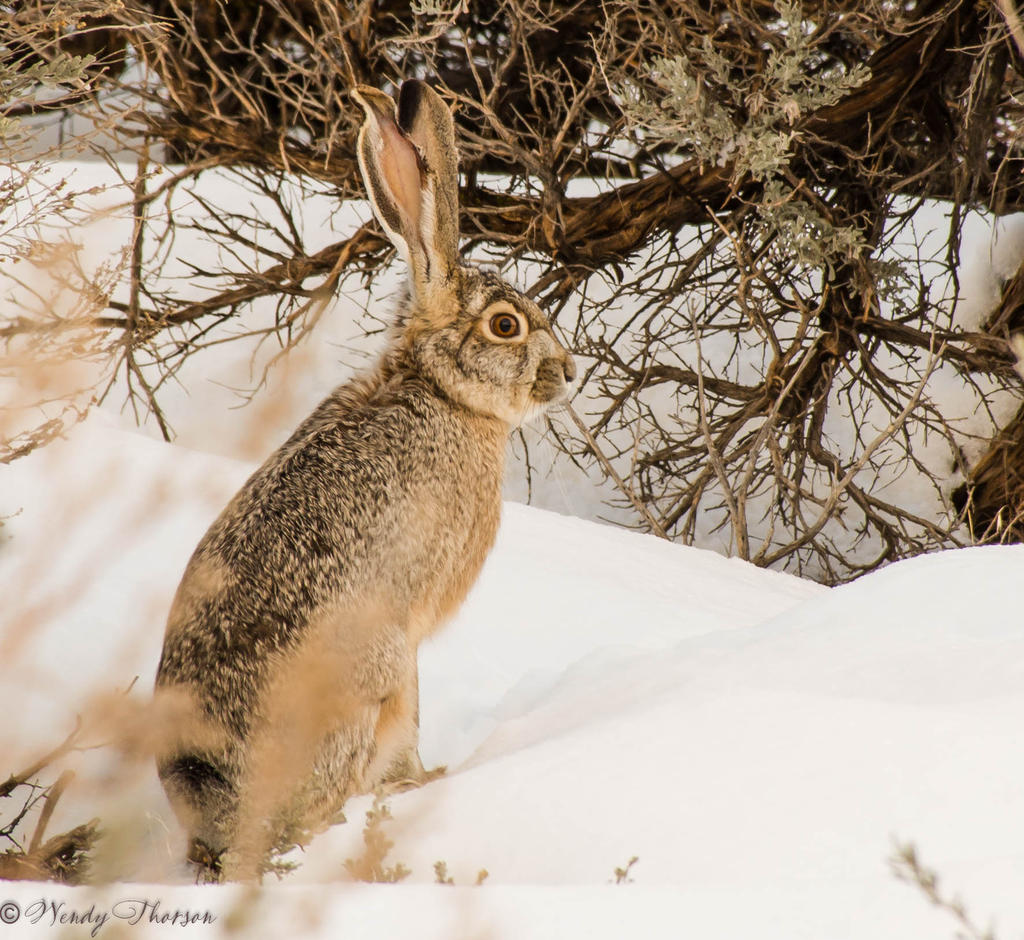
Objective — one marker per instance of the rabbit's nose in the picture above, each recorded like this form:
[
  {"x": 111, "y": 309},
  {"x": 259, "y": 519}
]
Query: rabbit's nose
[{"x": 569, "y": 368}]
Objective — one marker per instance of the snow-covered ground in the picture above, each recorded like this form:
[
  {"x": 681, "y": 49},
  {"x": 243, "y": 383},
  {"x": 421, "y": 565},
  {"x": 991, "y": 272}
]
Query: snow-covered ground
[{"x": 757, "y": 741}]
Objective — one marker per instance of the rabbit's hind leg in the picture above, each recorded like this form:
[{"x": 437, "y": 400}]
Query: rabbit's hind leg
[
  {"x": 373, "y": 727},
  {"x": 296, "y": 791}
]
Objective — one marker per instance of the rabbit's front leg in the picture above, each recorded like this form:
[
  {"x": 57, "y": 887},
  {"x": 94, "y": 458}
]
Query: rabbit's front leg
[{"x": 405, "y": 770}]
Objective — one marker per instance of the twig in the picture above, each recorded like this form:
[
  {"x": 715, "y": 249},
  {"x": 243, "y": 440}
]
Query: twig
[
  {"x": 606, "y": 464},
  {"x": 1009, "y": 10},
  {"x": 17, "y": 780},
  {"x": 50, "y": 803}
]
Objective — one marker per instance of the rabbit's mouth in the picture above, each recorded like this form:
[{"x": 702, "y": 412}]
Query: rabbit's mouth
[{"x": 552, "y": 382}]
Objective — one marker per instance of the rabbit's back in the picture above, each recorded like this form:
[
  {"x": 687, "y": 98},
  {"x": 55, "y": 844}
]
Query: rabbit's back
[{"x": 389, "y": 502}]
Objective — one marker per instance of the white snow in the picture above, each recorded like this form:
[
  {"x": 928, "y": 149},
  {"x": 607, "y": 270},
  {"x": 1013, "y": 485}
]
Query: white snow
[{"x": 756, "y": 740}]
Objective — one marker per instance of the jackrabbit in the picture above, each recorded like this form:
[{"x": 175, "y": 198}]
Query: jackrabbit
[{"x": 292, "y": 637}]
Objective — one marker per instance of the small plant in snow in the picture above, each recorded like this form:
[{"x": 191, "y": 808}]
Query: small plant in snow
[
  {"x": 622, "y": 874},
  {"x": 441, "y": 875},
  {"x": 370, "y": 865},
  {"x": 907, "y": 867}
]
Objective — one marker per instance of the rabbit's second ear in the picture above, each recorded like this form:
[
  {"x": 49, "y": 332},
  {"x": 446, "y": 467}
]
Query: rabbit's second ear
[{"x": 410, "y": 167}]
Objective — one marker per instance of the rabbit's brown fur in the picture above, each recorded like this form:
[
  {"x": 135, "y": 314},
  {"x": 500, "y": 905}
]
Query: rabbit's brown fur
[{"x": 294, "y": 631}]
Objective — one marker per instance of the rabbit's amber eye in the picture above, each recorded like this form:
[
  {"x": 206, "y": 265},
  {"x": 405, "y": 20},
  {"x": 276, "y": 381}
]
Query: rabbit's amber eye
[{"x": 504, "y": 325}]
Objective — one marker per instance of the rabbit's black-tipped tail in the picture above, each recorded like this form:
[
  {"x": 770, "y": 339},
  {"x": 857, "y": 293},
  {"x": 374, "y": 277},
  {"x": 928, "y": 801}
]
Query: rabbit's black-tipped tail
[{"x": 205, "y": 802}]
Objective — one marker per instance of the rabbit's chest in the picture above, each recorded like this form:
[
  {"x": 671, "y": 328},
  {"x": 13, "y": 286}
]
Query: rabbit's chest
[
  {"x": 452, "y": 522},
  {"x": 455, "y": 566}
]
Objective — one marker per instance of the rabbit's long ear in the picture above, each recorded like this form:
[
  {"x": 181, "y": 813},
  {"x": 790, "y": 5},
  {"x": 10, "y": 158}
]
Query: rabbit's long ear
[{"x": 410, "y": 167}]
